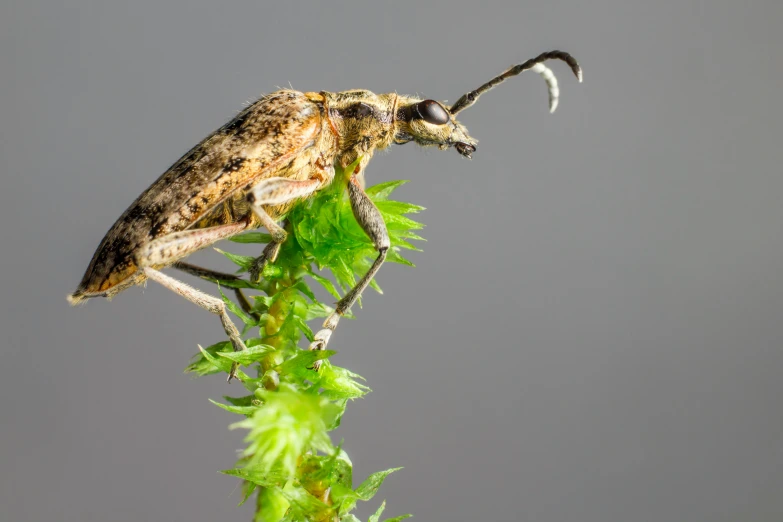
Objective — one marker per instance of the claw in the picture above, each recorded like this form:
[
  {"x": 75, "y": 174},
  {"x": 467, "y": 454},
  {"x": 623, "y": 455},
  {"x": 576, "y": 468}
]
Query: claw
[
  {"x": 269, "y": 255},
  {"x": 238, "y": 347},
  {"x": 233, "y": 373},
  {"x": 257, "y": 269},
  {"x": 320, "y": 340}
]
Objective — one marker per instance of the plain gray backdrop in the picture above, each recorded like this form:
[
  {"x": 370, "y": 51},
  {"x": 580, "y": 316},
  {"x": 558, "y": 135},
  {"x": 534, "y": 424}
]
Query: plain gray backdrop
[{"x": 593, "y": 332}]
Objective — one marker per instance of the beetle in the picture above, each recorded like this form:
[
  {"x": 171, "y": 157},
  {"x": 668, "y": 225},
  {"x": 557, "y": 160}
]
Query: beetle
[{"x": 251, "y": 171}]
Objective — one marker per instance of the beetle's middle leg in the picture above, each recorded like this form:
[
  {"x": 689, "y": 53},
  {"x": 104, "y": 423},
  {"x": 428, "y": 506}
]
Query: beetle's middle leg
[
  {"x": 270, "y": 192},
  {"x": 214, "y": 276},
  {"x": 163, "y": 251},
  {"x": 369, "y": 218}
]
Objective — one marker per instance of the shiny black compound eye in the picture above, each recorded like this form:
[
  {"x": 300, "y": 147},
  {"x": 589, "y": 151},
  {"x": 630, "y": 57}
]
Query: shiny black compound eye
[
  {"x": 432, "y": 112},
  {"x": 428, "y": 110}
]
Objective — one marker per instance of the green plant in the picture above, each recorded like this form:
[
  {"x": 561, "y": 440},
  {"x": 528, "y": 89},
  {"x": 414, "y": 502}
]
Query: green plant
[{"x": 290, "y": 462}]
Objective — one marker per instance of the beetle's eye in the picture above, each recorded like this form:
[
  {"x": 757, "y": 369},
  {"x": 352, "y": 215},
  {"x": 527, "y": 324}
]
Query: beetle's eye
[{"x": 432, "y": 112}]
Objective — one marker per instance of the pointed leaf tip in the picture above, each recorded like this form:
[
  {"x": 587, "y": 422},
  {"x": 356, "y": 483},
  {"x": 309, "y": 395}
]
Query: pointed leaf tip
[{"x": 370, "y": 486}]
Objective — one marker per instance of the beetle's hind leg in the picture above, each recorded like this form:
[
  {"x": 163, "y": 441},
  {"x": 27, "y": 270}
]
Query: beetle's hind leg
[
  {"x": 163, "y": 251},
  {"x": 205, "y": 301},
  {"x": 270, "y": 192}
]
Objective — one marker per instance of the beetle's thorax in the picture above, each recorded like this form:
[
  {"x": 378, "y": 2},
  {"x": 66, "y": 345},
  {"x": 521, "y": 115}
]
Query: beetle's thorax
[{"x": 362, "y": 122}]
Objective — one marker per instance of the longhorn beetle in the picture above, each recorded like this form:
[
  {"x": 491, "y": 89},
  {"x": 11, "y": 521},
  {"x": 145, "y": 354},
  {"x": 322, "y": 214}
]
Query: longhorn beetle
[{"x": 251, "y": 171}]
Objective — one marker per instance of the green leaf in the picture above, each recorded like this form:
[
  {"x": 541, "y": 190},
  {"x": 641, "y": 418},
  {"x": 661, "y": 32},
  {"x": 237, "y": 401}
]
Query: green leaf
[
  {"x": 397, "y": 222},
  {"x": 248, "y": 488},
  {"x": 243, "y": 262},
  {"x": 316, "y": 310},
  {"x": 302, "y": 325},
  {"x": 304, "y": 232},
  {"x": 302, "y": 287},
  {"x": 272, "y": 271},
  {"x": 271, "y": 504},
  {"x": 395, "y": 257},
  {"x": 236, "y": 310},
  {"x": 377, "y": 516},
  {"x": 381, "y": 191},
  {"x": 344, "y": 497},
  {"x": 327, "y": 284},
  {"x": 233, "y": 283},
  {"x": 249, "y": 356},
  {"x": 241, "y": 410},
  {"x": 401, "y": 243},
  {"x": 335, "y": 417},
  {"x": 299, "y": 305},
  {"x": 303, "y": 360},
  {"x": 407, "y": 234},
  {"x": 247, "y": 400},
  {"x": 303, "y": 500},
  {"x": 254, "y": 476},
  {"x": 398, "y": 518},
  {"x": 339, "y": 383},
  {"x": 343, "y": 273},
  {"x": 398, "y": 207},
  {"x": 252, "y": 237},
  {"x": 341, "y": 473},
  {"x": 219, "y": 363},
  {"x": 266, "y": 301},
  {"x": 201, "y": 365},
  {"x": 370, "y": 486}
]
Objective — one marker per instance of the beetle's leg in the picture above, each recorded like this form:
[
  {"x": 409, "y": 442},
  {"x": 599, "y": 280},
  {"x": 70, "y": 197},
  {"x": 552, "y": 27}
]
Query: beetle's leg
[
  {"x": 275, "y": 191},
  {"x": 371, "y": 221},
  {"x": 205, "y": 301},
  {"x": 213, "y": 276},
  {"x": 164, "y": 250}
]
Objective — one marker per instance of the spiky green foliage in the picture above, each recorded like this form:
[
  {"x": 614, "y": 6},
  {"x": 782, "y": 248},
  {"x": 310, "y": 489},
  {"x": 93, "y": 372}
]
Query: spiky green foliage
[{"x": 290, "y": 462}]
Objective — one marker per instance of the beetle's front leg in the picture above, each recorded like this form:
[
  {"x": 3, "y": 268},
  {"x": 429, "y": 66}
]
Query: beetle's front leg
[
  {"x": 275, "y": 191},
  {"x": 369, "y": 218}
]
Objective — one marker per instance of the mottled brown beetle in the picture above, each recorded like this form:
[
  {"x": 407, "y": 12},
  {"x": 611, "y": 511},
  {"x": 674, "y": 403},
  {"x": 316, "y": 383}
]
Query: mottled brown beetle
[{"x": 249, "y": 173}]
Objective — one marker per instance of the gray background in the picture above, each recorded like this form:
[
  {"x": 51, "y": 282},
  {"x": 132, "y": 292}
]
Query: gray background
[{"x": 593, "y": 332}]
